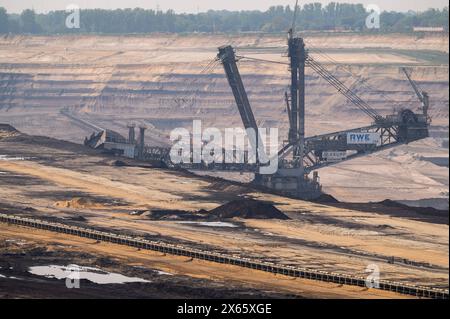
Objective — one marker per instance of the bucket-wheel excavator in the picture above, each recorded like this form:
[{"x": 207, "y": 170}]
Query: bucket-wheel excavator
[{"x": 302, "y": 155}]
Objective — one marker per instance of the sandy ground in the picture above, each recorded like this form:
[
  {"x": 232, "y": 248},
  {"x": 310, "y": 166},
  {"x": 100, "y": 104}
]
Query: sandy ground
[
  {"x": 226, "y": 275},
  {"x": 317, "y": 236},
  {"x": 406, "y": 173},
  {"x": 34, "y": 248}
]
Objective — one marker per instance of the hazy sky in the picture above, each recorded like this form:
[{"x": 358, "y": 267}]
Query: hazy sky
[{"x": 14, "y": 6}]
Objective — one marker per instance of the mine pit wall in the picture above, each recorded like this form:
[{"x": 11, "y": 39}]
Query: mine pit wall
[
  {"x": 132, "y": 78},
  {"x": 121, "y": 97}
]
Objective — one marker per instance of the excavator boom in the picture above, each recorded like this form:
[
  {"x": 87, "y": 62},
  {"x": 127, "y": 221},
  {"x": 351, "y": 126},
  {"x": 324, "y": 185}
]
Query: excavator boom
[
  {"x": 228, "y": 58},
  {"x": 423, "y": 96}
]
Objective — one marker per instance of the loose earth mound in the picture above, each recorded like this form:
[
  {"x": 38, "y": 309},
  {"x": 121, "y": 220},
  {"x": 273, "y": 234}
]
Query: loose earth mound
[
  {"x": 248, "y": 209},
  {"x": 7, "y": 130},
  {"x": 78, "y": 203}
]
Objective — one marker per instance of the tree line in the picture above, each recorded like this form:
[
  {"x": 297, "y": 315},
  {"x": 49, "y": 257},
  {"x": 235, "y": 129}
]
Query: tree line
[{"x": 314, "y": 16}]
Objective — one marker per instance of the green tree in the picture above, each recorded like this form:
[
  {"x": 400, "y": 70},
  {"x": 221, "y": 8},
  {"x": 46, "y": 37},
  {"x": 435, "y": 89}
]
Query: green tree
[
  {"x": 311, "y": 16},
  {"x": 3, "y": 21},
  {"x": 28, "y": 22}
]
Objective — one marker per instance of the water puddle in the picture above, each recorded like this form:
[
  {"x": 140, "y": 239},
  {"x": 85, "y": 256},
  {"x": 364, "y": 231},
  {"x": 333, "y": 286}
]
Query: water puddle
[
  {"x": 211, "y": 224},
  {"x": 11, "y": 158},
  {"x": 163, "y": 273},
  {"x": 94, "y": 275},
  {"x": 156, "y": 271},
  {"x": 18, "y": 242},
  {"x": 11, "y": 277}
]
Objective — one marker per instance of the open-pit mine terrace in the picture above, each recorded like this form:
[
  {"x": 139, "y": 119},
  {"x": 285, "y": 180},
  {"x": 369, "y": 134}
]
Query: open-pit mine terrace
[{"x": 157, "y": 80}]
